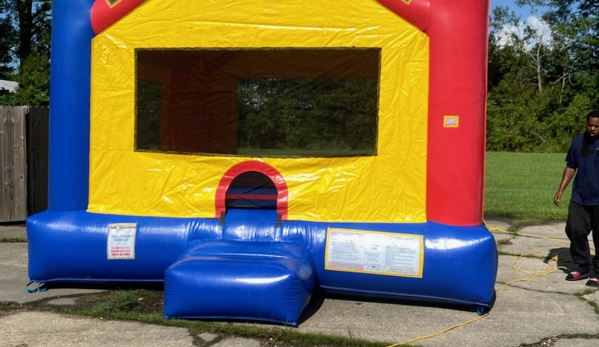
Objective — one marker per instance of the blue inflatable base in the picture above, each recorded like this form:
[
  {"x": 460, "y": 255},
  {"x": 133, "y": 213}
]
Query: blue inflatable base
[
  {"x": 211, "y": 256},
  {"x": 258, "y": 281}
]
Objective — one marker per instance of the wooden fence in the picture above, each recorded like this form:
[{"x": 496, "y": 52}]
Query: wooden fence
[{"x": 23, "y": 162}]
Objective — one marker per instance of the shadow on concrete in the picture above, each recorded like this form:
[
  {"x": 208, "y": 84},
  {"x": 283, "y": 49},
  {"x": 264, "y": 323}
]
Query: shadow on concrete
[{"x": 564, "y": 259}]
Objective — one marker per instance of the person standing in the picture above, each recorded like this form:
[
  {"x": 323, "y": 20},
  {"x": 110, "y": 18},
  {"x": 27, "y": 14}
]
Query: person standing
[{"x": 583, "y": 212}]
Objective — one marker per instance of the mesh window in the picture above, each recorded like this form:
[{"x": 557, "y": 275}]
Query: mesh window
[{"x": 258, "y": 102}]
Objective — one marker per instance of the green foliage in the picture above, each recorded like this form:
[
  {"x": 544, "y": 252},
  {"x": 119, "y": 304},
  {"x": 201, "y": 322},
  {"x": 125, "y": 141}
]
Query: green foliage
[
  {"x": 286, "y": 117},
  {"x": 28, "y": 23},
  {"x": 336, "y": 115},
  {"x": 8, "y": 99},
  {"x": 34, "y": 81},
  {"x": 25, "y": 50},
  {"x": 6, "y": 44},
  {"x": 540, "y": 91}
]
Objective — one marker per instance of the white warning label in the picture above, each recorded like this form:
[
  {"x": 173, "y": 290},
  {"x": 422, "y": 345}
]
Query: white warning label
[
  {"x": 383, "y": 253},
  {"x": 121, "y": 241}
]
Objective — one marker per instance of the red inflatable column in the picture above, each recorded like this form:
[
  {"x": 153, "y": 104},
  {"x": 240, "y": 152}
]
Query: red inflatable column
[{"x": 458, "y": 32}]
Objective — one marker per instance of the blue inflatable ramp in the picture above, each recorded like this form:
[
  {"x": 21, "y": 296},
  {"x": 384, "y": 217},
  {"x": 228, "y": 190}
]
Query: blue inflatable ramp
[{"x": 240, "y": 280}]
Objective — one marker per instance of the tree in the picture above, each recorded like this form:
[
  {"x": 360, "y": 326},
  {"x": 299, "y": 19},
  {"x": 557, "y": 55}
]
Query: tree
[
  {"x": 540, "y": 90},
  {"x": 577, "y": 23},
  {"x": 6, "y": 44},
  {"x": 335, "y": 116},
  {"x": 25, "y": 49},
  {"x": 517, "y": 96},
  {"x": 34, "y": 81},
  {"x": 27, "y": 24}
]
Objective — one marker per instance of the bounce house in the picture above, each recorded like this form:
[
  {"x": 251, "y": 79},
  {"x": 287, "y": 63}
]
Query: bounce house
[{"x": 248, "y": 153}]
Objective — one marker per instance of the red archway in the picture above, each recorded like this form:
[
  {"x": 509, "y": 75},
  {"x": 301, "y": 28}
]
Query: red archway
[{"x": 257, "y": 166}]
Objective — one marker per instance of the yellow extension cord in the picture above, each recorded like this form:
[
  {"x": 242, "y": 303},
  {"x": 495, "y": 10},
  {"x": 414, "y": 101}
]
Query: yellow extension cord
[{"x": 513, "y": 266}]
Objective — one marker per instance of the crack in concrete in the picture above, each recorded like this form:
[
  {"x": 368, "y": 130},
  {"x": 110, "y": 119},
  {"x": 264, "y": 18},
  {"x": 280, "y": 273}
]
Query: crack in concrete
[{"x": 551, "y": 341}]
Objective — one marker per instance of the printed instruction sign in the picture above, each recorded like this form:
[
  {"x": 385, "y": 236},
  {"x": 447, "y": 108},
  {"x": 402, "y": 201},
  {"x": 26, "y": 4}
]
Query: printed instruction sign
[
  {"x": 121, "y": 241},
  {"x": 381, "y": 253}
]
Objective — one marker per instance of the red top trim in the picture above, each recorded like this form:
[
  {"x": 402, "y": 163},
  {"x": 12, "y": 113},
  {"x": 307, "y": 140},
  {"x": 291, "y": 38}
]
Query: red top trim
[
  {"x": 105, "y": 13},
  {"x": 415, "y": 11}
]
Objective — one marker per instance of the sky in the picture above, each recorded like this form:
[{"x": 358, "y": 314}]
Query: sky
[
  {"x": 524, "y": 13},
  {"x": 526, "y": 17}
]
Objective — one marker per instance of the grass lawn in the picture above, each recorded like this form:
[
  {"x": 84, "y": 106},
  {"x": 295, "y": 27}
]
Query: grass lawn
[{"x": 522, "y": 186}]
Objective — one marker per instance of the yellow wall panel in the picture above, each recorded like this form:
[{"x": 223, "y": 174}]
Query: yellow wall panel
[{"x": 388, "y": 187}]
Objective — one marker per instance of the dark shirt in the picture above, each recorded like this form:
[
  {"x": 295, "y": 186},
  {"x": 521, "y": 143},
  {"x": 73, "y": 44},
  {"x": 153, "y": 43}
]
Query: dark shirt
[{"x": 585, "y": 189}]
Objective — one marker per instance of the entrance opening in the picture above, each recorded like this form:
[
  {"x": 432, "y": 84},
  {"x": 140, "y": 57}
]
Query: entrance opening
[
  {"x": 251, "y": 190},
  {"x": 252, "y": 185}
]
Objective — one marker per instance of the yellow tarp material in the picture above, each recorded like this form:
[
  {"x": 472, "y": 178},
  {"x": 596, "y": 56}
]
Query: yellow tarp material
[{"x": 388, "y": 187}]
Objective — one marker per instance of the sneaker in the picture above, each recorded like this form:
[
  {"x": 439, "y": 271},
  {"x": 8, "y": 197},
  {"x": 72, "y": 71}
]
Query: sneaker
[{"x": 577, "y": 276}]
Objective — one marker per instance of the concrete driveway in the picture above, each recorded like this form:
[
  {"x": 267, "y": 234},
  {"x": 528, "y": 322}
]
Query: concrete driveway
[{"x": 535, "y": 306}]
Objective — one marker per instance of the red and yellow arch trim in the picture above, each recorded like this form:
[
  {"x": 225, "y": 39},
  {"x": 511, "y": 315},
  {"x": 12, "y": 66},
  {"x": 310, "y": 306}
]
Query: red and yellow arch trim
[{"x": 256, "y": 166}]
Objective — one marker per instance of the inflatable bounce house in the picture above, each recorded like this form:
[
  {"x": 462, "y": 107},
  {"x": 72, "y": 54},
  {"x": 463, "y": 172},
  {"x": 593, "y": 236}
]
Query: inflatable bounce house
[{"x": 247, "y": 153}]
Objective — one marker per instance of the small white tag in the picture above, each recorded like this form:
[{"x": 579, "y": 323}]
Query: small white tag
[{"x": 121, "y": 241}]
